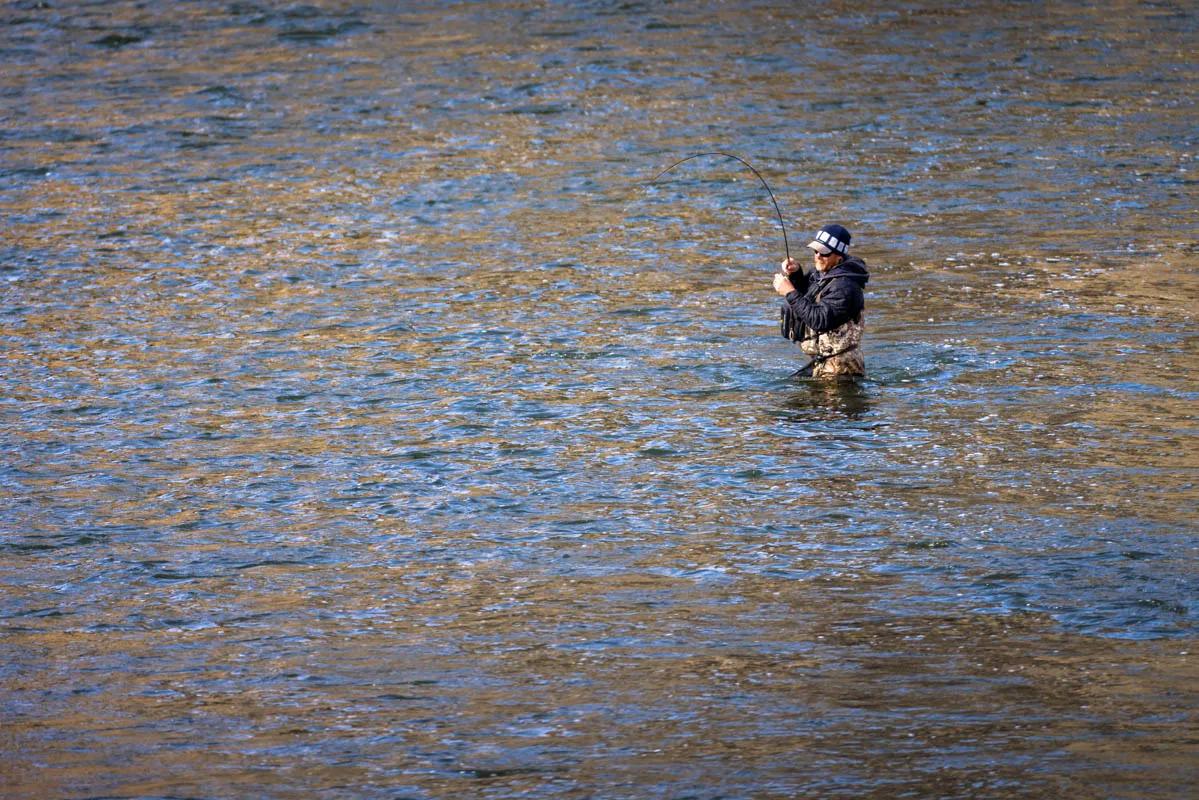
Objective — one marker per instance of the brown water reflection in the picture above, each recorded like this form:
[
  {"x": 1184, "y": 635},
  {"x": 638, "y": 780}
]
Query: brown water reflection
[
  {"x": 632, "y": 685},
  {"x": 372, "y": 430}
]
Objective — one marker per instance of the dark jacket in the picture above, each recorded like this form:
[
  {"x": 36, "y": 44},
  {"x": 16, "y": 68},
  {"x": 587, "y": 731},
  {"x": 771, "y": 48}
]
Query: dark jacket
[{"x": 841, "y": 299}]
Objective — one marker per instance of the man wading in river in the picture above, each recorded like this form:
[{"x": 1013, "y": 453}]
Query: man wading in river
[{"x": 822, "y": 310}]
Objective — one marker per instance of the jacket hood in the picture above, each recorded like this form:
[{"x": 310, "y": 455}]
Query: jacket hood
[{"x": 851, "y": 267}]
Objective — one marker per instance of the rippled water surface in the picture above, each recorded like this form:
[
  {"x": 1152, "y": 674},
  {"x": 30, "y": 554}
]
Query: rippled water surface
[{"x": 372, "y": 430}]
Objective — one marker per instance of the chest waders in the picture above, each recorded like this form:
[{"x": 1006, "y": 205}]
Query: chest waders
[{"x": 840, "y": 341}]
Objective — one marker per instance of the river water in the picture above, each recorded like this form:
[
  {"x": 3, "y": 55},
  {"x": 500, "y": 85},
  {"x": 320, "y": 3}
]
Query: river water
[{"x": 372, "y": 429}]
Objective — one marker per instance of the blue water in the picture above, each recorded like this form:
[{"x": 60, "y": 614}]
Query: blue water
[{"x": 374, "y": 430}]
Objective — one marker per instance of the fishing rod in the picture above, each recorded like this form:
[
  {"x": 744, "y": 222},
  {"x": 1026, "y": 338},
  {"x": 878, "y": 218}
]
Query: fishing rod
[{"x": 782, "y": 227}]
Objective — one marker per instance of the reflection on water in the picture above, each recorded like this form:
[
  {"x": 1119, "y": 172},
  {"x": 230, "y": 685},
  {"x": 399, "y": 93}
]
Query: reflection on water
[
  {"x": 812, "y": 400},
  {"x": 374, "y": 431}
]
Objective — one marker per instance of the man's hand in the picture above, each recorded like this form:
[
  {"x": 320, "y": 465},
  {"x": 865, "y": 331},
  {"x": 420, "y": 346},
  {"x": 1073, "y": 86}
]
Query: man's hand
[
  {"x": 782, "y": 284},
  {"x": 789, "y": 266}
]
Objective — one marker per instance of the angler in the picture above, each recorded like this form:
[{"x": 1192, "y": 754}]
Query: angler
[{"x": 822, "y": 309}]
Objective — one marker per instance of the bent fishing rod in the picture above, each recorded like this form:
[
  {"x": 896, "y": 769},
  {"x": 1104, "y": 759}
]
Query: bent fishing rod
[{"x": 782, "y": 227}]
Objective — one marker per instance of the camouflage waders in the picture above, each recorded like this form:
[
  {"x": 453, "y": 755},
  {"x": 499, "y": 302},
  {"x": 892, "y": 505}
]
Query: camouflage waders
[{"x": 835, "y": 353}]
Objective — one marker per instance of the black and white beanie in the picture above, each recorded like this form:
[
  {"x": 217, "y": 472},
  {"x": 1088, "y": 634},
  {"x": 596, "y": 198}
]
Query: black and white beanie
[{"x": 831, "y": 239}]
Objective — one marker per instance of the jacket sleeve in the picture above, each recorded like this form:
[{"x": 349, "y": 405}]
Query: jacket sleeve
[
  {"x": 790, "y": 326},
  {"x": 839, "y": 302}
]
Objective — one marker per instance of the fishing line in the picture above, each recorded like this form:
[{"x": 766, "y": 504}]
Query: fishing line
[{"x": 782, "y": 227}]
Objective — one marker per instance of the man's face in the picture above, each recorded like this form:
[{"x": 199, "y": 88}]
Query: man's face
[{"x": 825, "y": 263}]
